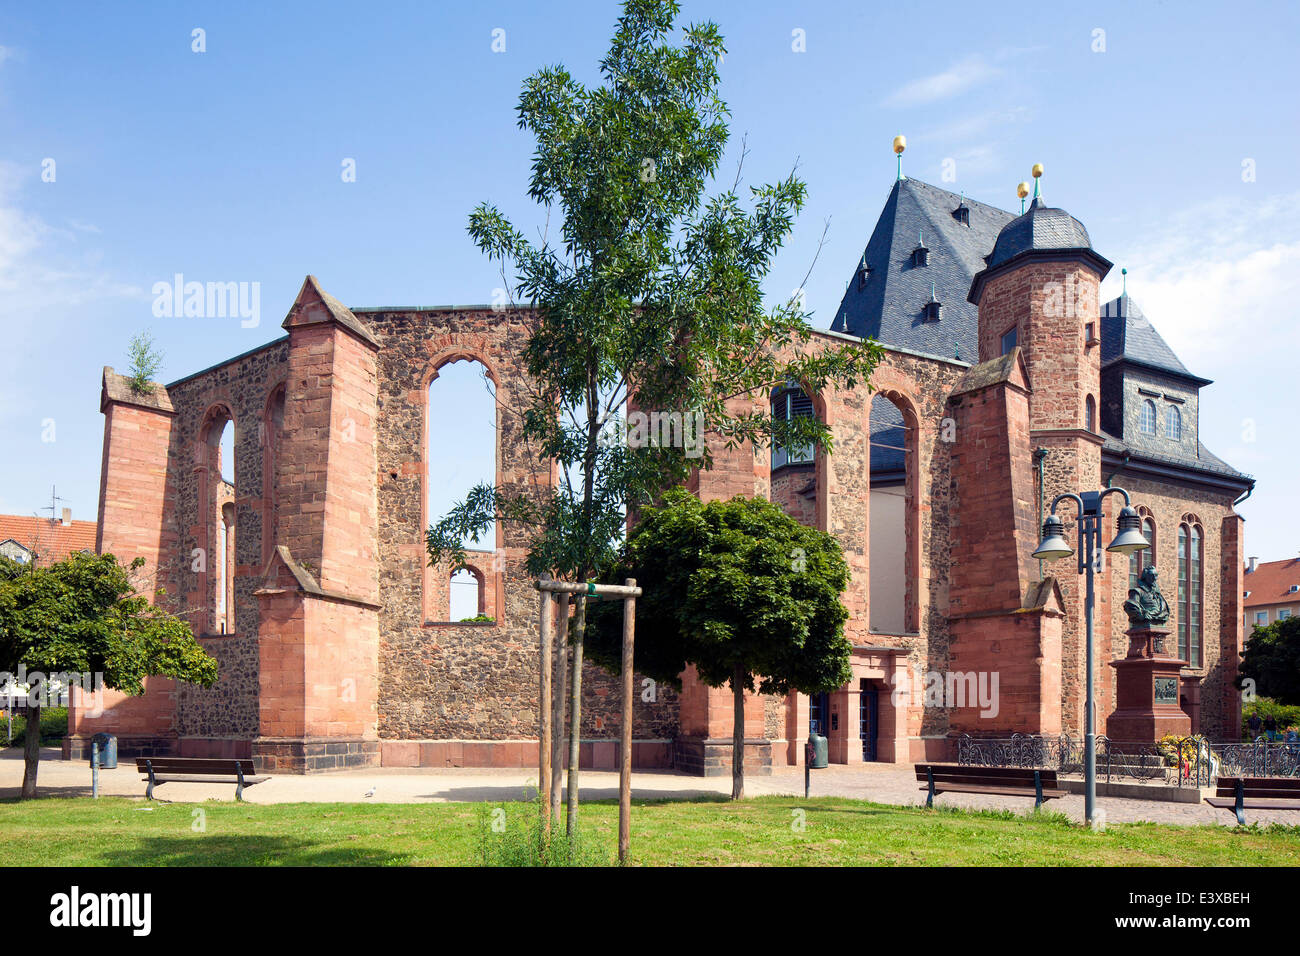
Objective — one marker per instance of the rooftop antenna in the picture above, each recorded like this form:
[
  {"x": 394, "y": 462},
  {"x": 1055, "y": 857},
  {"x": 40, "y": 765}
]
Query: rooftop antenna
[
  {"x": 1037, "y": 173},
  {"x": 900, "y": 144},
  {"x": 53, "y": 507},
  {"x": 1022, "y": 190}
]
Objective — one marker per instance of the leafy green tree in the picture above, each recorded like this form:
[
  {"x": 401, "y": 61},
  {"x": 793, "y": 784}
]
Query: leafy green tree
[
  {"x": 83, "y": 616},
  {"x": 650, "y": 290},
  {"x": 1272, "y": 660},
  {"x": 739, "y": 589},
  {"x": 145, "y": 360}
]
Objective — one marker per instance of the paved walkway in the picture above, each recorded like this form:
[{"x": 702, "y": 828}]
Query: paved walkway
[{"x": 880, "y": 783}]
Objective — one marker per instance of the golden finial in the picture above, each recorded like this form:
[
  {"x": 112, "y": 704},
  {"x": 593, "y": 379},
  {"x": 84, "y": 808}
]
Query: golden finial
[
  {"x": 1022, "y": 190},
  {"x": 1037, "y": 170},
  {"x": 900, "y": 143}
]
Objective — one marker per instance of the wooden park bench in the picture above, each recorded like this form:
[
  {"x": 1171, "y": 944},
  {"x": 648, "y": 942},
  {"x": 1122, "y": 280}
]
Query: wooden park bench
[
  {"x": 160, "y": 770},
  {"x": 1240, "y": 794},
  {"x": 1033, "y": 782}
]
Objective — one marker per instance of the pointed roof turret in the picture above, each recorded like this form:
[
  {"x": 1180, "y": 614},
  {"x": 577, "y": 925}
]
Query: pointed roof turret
[{"x": 314, "y": 305}]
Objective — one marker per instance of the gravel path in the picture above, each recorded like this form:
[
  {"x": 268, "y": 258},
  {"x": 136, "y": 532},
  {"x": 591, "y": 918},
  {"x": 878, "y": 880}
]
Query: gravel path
[{"x": 880, "y": 783}]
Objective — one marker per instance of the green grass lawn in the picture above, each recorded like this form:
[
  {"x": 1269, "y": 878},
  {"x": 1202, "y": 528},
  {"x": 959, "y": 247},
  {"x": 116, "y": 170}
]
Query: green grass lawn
[{"x": 755, "y": 832}]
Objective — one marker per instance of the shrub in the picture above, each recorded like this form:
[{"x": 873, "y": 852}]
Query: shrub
[
  {"x": 1286, "y": 715},
  {"x": 54, "y": 726},
  {"x": 511, "y": 835}
]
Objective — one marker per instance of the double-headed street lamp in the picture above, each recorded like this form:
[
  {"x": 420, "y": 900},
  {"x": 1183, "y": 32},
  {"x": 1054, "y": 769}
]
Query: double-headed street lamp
[{"x": 1128, "y": 540}]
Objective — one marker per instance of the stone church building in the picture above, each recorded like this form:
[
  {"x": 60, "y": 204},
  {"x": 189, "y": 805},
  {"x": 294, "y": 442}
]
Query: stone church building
[{"x": 1006, "y": 381}]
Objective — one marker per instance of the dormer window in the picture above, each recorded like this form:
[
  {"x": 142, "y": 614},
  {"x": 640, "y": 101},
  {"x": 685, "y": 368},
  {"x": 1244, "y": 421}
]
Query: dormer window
[
  {"x": 962, "y": 214},
  {"x": 864, "y": 272},
  {"x": 920, "y": 255},
  {"x": 932, "y": 307}
]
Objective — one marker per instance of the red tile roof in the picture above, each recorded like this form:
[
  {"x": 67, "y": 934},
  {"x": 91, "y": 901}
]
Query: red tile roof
[
  {"x": 1270, "y": 582},
  {"x": 51, "y": 540}
]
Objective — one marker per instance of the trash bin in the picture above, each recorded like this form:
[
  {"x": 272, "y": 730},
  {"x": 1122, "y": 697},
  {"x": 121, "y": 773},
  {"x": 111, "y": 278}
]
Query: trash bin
[
  {"x": 107, "y": 746},
  {"x": 820, "y": 752}
]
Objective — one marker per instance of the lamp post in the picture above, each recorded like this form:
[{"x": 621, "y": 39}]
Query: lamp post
[{"x": 1053, "y": 546}]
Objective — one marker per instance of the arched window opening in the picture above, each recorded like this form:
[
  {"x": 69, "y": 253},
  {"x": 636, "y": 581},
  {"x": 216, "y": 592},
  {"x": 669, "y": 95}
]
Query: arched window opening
[
  {"x": 272, "y": 430},
  {"x": 460, "y": 454},
  {"x": 1139, "y": 560},
  {"x": 216, "y": 486},
  {"x": 226, "y": 585},
  {"x": 788, "y": 403},
  {"x": 468, "y": 595},
  {"x": 1147, "y": 422},
  {"x": 1090, "y": 414},
  {"x": 1190, "y": 555},
  {"x": 894, "y": 535},
  {"x": 1173, "y": 423}
]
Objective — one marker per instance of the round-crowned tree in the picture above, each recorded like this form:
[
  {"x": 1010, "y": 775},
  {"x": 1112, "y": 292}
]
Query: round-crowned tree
[{"x": 739, "y": 589}]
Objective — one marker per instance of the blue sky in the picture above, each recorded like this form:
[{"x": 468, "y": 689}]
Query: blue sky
[{"x": 226, "y": 166}]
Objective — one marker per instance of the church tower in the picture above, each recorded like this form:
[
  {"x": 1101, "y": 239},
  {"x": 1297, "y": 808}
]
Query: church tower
[{"x": 1039, "y": 293}]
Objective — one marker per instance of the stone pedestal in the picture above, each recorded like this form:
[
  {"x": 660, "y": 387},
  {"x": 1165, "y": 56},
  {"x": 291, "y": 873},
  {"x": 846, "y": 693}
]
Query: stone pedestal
[{"x": 1147, "y": 689}]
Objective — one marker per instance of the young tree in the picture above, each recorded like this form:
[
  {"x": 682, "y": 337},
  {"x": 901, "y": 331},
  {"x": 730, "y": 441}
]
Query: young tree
[
  {"x": 739, "y": 589},
  {"x": 82, "y": 616},
  {"x": 652, "y": 292},
  {"x": 1272, "y": 660},
  {"x": 145, "y": 360}
]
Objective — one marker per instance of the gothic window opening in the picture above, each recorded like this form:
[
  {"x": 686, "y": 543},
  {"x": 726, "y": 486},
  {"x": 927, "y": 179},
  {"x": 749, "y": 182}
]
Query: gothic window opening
[
  {"x": 272, "y": 429},
  {"x": 1090, "y": 414},
  {"x": 467, "y": 595},
  {"x": 1139, "y": 560},
  {"x": 215, "y": 558},
  {"x": 1190, "y": 559},
  {"x": 460, "y": 454},
  {"x": 894, "y": 531}
]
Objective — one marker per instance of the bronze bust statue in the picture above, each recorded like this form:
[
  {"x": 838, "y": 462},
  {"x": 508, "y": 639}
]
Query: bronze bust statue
[{"x": 1146, "y": 606}]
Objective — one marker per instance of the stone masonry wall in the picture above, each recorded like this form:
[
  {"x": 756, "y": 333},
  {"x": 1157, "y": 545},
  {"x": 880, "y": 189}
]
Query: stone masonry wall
[
  {"x": 465, "y": 682},
  {"x": 243, "y": 385}
]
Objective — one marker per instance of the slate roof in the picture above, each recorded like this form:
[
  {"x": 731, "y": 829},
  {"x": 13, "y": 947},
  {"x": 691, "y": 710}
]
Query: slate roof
[
  {"x": 887, "y": 436},
  {"x": 1039, "y": 227},
  {"x": 1127, "y": 334},
  {"x": 889, "y": 306},
  {"x": 1205, "y": 459}
]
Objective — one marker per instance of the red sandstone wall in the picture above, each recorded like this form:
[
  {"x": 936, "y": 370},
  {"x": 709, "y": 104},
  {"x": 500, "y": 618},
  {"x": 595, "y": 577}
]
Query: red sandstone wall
[{"x": 134, "y": 521}]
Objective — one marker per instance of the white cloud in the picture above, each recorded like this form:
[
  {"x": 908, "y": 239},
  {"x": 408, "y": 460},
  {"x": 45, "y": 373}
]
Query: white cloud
[
  {"x": 44, "y": 273},
  {"x": 958, "y": 78},
  {"x": 1218, "y": 279},
  {"x": 1220, "y": 282}
]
